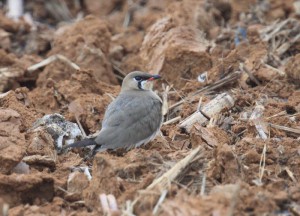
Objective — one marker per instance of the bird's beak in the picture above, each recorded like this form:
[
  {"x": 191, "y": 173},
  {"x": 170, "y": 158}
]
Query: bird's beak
[{"x": 154, "y": 77}]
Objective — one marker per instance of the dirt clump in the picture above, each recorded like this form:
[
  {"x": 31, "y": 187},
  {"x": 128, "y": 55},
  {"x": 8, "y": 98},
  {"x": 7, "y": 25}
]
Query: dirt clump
[
  {"x": 179, "y": 50},
  {"x": 90, "y": 38},
  {"x": 26, "y": 188},
  {"x": 12, "y": 140},
  {"x": 293, "y": 69}
]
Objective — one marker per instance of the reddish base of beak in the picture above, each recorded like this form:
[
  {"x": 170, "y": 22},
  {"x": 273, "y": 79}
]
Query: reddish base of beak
[{"x": 154, "y": 77}]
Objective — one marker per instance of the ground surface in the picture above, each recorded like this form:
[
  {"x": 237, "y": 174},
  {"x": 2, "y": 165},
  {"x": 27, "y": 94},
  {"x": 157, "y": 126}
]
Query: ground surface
[{"x": 249, "y": 157}]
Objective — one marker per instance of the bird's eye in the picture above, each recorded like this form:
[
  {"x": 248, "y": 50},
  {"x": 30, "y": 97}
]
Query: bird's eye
[{"x": 138, "y": 78}]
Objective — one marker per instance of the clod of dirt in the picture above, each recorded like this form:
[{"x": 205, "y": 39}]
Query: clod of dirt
[
  {"x": 19, "y": 102},
  {"x": 104, "y": 8},
  {"x": 12, "y": 141},
  {"x": 26, "y": 188},
  {"x": 81, "y": 90},
  {"x": 60, "y": 129},
  {"x": 5, "y": 42},
  {"x": 13, "y": 69},
  {"x": 91, "y": 109},
  {"x": 104, "y": 180},
  {"x": 192, "y": 13},
  {"x": 177, "y": 53},
  {"x": 226, "y": 166},
  {"x": 86, "y": 43},
  {"x": 121, "y": 176},
  {"x": 77, "y": 182},
  {"x": 40, "y": 143},
  {"x": 124, "y": 49},
  {"x": 214, "y": 136},
  {"x": 184, "y": 204},
  {"x": 231, "y": 63},
  {"x": 292, "y": 69},
  {"x": 53, "y": 208},
  {"x": 265, "y": 74},
  {"x": 10, "y": 25},
  {"x": 53, "y": 95},
  {"x": 144, "y": 17}
]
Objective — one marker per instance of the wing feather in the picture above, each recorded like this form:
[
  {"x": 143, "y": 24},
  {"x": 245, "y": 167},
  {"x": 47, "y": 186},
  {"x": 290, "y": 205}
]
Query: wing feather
[{"x": 130, "y": 119}]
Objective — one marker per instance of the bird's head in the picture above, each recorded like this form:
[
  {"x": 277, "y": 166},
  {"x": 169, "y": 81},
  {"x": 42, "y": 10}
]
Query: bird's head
[{"x": 138, "y": 80}]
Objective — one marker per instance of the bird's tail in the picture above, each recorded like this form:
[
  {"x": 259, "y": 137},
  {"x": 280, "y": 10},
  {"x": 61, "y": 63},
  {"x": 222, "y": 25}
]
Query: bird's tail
[{"x": 82, "y": 143}]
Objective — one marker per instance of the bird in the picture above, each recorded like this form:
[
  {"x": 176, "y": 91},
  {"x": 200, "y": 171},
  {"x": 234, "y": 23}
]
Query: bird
[{"x": 134, "y": 118}]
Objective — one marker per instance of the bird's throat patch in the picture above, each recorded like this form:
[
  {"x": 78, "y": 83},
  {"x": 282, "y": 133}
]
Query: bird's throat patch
[{"x": 146, "y": 85}]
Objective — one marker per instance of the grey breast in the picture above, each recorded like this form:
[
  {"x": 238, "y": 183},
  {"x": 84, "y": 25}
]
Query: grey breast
[{"x": 133, "y": 116}]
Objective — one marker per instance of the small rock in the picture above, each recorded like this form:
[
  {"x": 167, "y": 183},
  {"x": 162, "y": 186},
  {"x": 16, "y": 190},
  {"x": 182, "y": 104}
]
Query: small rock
[
  {"x": 58, "y": 128},
  {"x": 21, "y": 168}
]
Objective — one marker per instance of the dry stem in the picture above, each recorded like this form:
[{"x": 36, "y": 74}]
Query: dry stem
[
  {"x": 52, "y": 59},
  {"x": 251, "y": 76},
  {"x": 163, "y": 181},
  {"x": 209, "y": 110},
  {"x": 159, "y": 202},
  {"x": 173, "y": 120},
  {"x": 292, "y": 130}
]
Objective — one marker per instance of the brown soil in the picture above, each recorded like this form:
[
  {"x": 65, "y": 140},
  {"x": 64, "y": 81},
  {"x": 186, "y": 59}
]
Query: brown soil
[{"x": 238, "y": 172}]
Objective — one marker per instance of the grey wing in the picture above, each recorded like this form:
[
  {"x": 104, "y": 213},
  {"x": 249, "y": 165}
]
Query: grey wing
[{"x": 129, "y": 120}]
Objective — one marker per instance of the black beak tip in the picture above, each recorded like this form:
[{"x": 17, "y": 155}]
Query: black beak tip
[{"x": 156, "y": 76}]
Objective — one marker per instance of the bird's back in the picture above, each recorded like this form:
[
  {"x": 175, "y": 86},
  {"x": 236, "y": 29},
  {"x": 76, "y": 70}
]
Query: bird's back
[{"x": 132, "y": 119}]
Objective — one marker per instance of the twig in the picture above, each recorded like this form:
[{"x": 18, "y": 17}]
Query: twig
[
  {"x": 63, "y": 190},
  {"x": 176, "y": 104},
  {"x": 270, "y": 31},
  {"x": 87, "y": 173},
  {"x": 159, "y": 202},
  {"x": 163, "y": 181},
  {"x": 290, "y": 174},
  {"x": 171, "y": 121},
  {"x": 203, "y": 185},
  {"x": 210, "y": 109},
  {"x": 226, "y": 80},
  {"x": 58, "y": 9},
  {"x": 292, "y": 130},
  {"x": 251, "y": 76},
  {"x": 128, "y": 16},
  {"x": 80, "y": 126},
  {"x": 165, "y": 99},
  {"x": 111, "y": 96},
  {"x": 199, "y": 104},
  {"x": 282, "y": 113},
  {"x": 52, "y": 59},
  {"x": 128, "y": 211},
  {"x": 5, "y": 209},
  {"x": 280, "y": 72},
  {"x": 119, "y": 70},
  {"x": 108, "y": 203},
  {"x": 262, "y": 163},
  {"x": 285, "y": 46}
]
